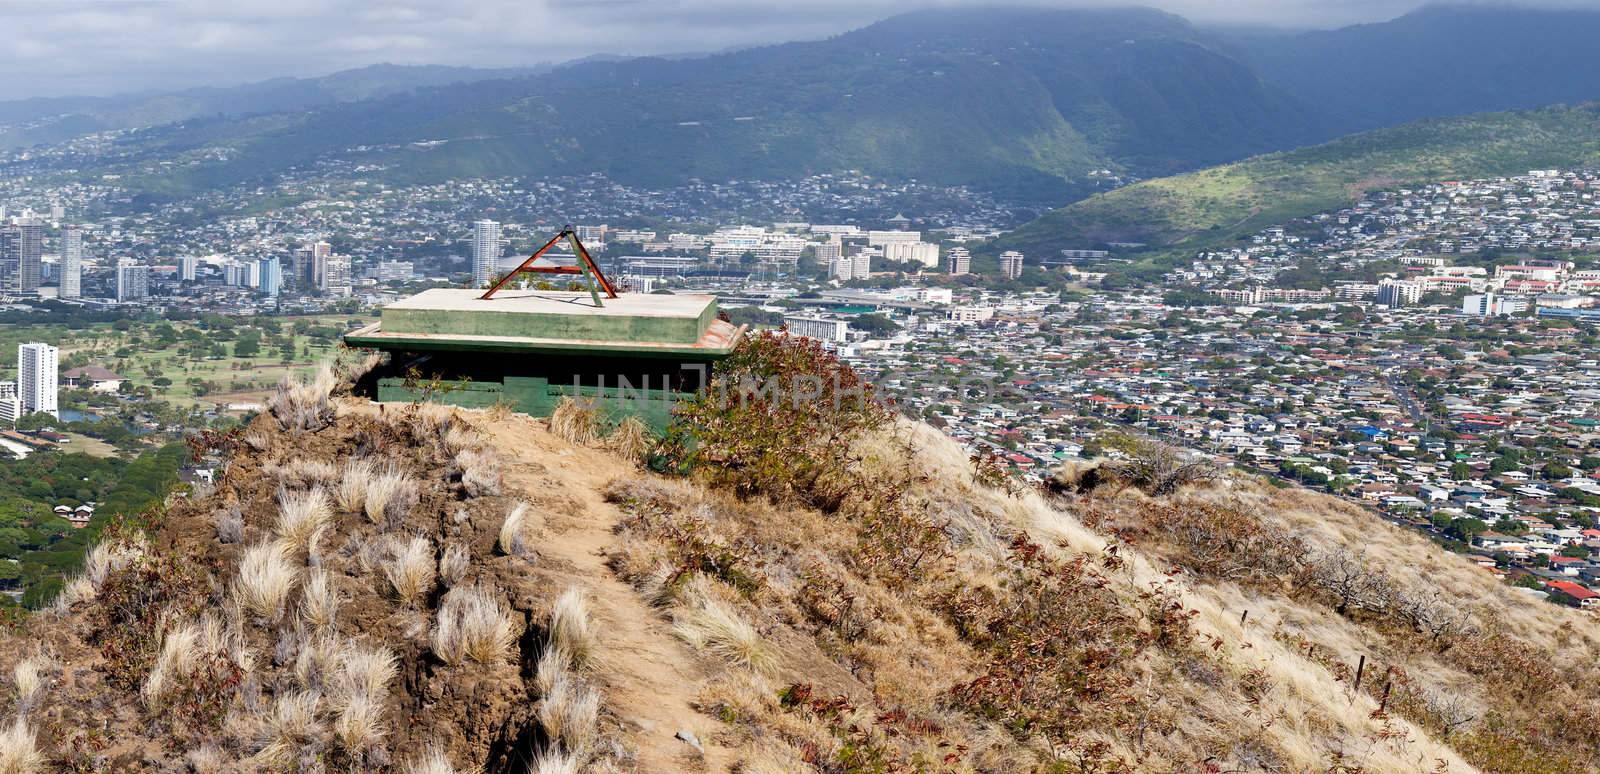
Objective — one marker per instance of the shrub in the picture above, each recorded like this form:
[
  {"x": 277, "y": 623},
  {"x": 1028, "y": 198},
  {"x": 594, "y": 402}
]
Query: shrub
[
  {"x": 266, "y": 578},
  {"x": 472, "y": 626},
  {"x": 778, "y": 415},
  {"x": 1159, "y": 469},
  {"x": 575, "y": 421}
]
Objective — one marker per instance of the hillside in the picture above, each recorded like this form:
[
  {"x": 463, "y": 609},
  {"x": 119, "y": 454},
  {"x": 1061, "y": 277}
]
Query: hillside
[
  {"x": 1221, "y": 204},
  {"x": 1438, "y": 61},
  {"x": 1024, "y": 101},
  {"x": 420, "y": 589},
  {"x": 29, "y": 122}
]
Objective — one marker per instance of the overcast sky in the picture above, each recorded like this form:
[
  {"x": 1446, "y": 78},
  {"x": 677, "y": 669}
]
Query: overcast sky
[{"x": 71, "y": 47}]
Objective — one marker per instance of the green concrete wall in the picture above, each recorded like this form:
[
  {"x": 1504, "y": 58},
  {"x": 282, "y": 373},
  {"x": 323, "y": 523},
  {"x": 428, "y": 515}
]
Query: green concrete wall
[
  {"x": 537, "y": 397},
  {"x": 679, "y": 330}
]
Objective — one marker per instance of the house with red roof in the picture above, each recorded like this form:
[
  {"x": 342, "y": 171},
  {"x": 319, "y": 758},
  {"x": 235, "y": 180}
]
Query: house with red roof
[{"x": 1580, "y": 596}]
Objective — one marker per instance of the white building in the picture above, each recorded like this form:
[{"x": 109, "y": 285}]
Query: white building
[
  {"x": 880, "y": 238},
  {"x": 958, "y": 261},
  {"x": 188, "y": 266},
  {"x": 914, "y": 252},
  {"x": 1492, "y": 305},
  {"x": 71, "y": 262},
  {"x": 818, "y": 328},
  {"x": 1011, "y": 264},
  {"x": 133, "y": 281},
  {"x": 486, "y": 249},
  {"x": 37, "y": 378},
  {"x": 337, "y": 281},
  {"x": 396, "y": 271}
]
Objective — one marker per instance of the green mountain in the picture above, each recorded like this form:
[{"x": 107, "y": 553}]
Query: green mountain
[
  {"x": 29, "y": 122},
  {"x": 1437, "y": 61},
  {"x": 1222, "y": 204},
  {"x": 1024, "y": 102}
]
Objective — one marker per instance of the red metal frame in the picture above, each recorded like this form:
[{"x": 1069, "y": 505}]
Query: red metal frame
[{"x": 586, "y": 267}]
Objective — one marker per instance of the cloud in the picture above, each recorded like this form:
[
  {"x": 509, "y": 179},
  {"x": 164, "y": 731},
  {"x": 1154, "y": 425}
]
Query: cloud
[{"x": 109, "y": 46}]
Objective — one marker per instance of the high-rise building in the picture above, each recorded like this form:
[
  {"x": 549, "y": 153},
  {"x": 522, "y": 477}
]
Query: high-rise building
[
  {"x": 337, "y": 278},
  {"x": 271, "y": 276},
  {"x": 10, "y": 257},
  {"x": 36, "y": 378},
  {"x": 486, "y": 249},
  {"x": 913, "y": 252},
  {"x": 861, "y": 264},
  {"x": 30, "y": 255},
  {"x": 188, "y": 267},
  {"x": 842, "y": 269},
  {"x": 395, "y": 271},
  {"x": 133, "y": 281},
  {"x": 310, "y": 265},
  {"x": 71, "y": 262},
  {"x": 1011, "y": 264},
  {"x": 958, "y": 261}
]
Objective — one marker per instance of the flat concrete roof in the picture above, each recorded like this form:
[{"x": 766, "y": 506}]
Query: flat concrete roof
[{"x": 556, "y": 302}]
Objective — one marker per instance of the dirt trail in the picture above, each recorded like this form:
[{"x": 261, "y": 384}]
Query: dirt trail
[{"x": 650, "y": 677}]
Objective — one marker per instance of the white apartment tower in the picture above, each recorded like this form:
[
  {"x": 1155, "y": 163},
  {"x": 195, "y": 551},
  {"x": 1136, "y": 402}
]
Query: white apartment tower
[
  {"x": 486, "y": 249},
  {"x": 36, "y": 378},
  {"x": 71, "y": 262},
  {"x": 1011, "y": 264}
]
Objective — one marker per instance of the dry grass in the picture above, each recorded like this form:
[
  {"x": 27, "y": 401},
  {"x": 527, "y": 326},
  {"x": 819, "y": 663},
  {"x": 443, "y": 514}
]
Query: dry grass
[
  {"x": 205, "y": 759},
  {"x": 106, "y": 557},
  {"x": 514, "y": 532},
  {"x": 29, "y": 680},
  {"x": 410, "y": 568},
  {"x": 711, "y": 623},
  {"x": 19, "y": 752},
  {"x": 473, "y": 626},
  {"x": 571, "y": 632},
  {"x": 319, "y": 600},
  {"x": 302, "y": 473},
  {"x": 266, "y": 579},
  {"x": 631, "y": 439},
  {"x": 180, "y": 651},
  {"x": 453, "y": 564},
  {"x": 365, "y": 672},
  {"x": 354, "y": 481},
  {"x": 304, "y": 406},
  {"x": 551, "y": 762},
  {"x": 575, "y": 421},
  {"x": 302, "y": 515},
  {"x": 292, "y": 730},
  {"x": 389, "y": 495},
  {"x": 569, "y": 713},
  {"x": 480, "y": 472},
  {"x": 431, "y": 762},
  {"x": 359, "y": 725}
]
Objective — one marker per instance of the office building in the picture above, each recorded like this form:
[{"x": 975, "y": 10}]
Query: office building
[
  {"x": 1011, "y": 264},
  {"x": 486, "y": 248},
  {"x": 958, "y": 261},
  {"x": 819, "y": 328},
  {"x": 310, "y": 265},
  {"x": 37, "y": 378},
  {"x": 133, "y": 281},
  {"x": 271, "y": 276},
  {"x": 71, "y": 262}
]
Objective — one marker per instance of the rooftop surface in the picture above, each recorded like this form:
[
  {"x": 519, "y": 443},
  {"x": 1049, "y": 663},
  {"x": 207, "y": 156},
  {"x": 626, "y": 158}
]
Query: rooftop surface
[{"x": 556, "y": 302}]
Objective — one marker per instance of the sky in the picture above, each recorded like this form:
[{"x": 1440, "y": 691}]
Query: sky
[{"x": 97, "y": 47}]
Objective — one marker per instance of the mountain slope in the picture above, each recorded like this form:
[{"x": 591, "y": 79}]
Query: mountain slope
[
  {"x": 1437, "y": 61},
  {"x": 1220, "y": 204},
  {"x": 48, "y": 120},
  {"x": 1030, "y": 100},
  {"x": 911, "y": 611}
]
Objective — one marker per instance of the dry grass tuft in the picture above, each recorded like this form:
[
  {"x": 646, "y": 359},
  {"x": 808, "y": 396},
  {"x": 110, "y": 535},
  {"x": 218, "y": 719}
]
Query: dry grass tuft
[
  {"x": 514, "y": 532},
  {"x": 291, "y": 729},
  {"x": 472, "y": 626},
  {"x": 359, "y": 725},
  {"x": 266, "y": 578},
  {"x": 354, "y": 480},
  {"x": 389, "y": 496},
  {"x": 28, "y": 678},
  {"x": 180, "y": 650},
  {"x": 480, "y": 472},
  {"x": 570, "y": 631},
  {"x": 319, "y": 600},
  {"x": 257, "y": 439},
  {"x": 365, "y": 672},
  {"x": 453, "y": 564},
  {"x": 205, "y": 759},
  {"x": 302, "y": 515},
  {"x": 569, "y": 713},
  {"x": 19, "y": 752},
  {"x": 108, "y": 556},
  {"x": 410, "y": 568},
  {"x": 431, "y": 762},
  {"x": 551, "y": 762},
  {"x": 575, "y": 421},
  {"x": 304, "y": 406},
  {"x": 301, "y": 473},
  {"x": 715, "y": 625},
  {"x": 631, "y": 439}
]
